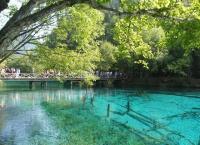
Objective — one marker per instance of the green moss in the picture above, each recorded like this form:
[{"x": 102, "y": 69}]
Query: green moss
[{"x": 80, "y": 126}]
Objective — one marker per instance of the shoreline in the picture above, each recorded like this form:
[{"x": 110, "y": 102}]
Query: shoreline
[{"x": 162, "y": 82}]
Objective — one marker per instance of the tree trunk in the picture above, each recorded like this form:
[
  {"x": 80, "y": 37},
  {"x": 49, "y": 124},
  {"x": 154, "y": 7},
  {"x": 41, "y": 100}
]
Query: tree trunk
[{"x": 24, "y": 18}]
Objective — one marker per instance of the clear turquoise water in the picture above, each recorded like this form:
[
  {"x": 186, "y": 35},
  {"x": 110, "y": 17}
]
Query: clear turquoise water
[{"x": 72, "y": 116}]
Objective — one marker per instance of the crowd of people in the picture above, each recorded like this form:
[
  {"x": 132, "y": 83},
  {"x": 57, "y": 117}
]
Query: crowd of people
[
  {"x": 12, "y": 71},
  {"x": 109, "y": 74},
  {"x": 16, "y": 72}
]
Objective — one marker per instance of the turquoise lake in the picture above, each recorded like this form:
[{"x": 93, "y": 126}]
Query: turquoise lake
[{"x": 101, "y": 116}]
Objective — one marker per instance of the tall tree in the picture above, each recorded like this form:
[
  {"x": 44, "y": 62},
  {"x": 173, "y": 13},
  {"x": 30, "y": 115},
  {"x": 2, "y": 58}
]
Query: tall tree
[
  {"x": 76, "y": 48},
  {"x": 27, "y": 21}
]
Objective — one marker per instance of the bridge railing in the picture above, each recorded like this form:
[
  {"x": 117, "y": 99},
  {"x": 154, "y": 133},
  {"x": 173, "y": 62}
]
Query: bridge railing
[
  {"x": 26, "y": 76},
  {"x": 19, "y": 76}
]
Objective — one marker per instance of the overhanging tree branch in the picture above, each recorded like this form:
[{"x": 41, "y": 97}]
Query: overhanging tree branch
[
  {"x": 27, "y": 16},
  {"x": 13, "y": 28}
]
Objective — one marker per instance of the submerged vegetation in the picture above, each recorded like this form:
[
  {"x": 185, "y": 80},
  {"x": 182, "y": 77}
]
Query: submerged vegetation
[
  {"x": 80, "y": 126},
  {"x": 100, "y": 116}
]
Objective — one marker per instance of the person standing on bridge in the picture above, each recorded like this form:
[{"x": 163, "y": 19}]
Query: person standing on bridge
[
  {"x": 3, "y": 71},
  {"x": 17, "y": 73}
]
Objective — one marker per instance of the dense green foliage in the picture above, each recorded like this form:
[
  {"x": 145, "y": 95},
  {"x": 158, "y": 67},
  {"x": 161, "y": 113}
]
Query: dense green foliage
[
  {"x": 72, "y": 47},
  {"x": 23, "y": 63},
  {"x": 149, "y": 38}
]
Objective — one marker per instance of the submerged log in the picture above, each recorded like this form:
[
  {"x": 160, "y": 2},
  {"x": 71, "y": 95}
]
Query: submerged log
[
  {"x": 196, "y": 108},
  {"x": 193, "y": 114},
  {"x": 108, "y": 110},
  {"x": 152, "y": 124},
  {"x": 142, "y": 135}
]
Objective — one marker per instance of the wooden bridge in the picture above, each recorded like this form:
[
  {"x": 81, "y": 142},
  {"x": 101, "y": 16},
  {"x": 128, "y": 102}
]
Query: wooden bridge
[
  {"x": 44, "y": 78},
  {"x": 48, "y": 77}
]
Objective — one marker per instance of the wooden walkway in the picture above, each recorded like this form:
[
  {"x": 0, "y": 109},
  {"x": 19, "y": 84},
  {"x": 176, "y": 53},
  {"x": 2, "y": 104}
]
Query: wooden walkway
[
  {"x": 32, "y": 78},
  {"x": 45, "y": 77}
]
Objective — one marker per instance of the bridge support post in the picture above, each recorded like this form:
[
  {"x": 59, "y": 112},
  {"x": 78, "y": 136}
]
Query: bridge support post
[
  {"x": 71, "y": 83},
  {"x": 80, "y": 84},
  {"x": 43, "y": 84},
  {"x": 30, "y": 84}
]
